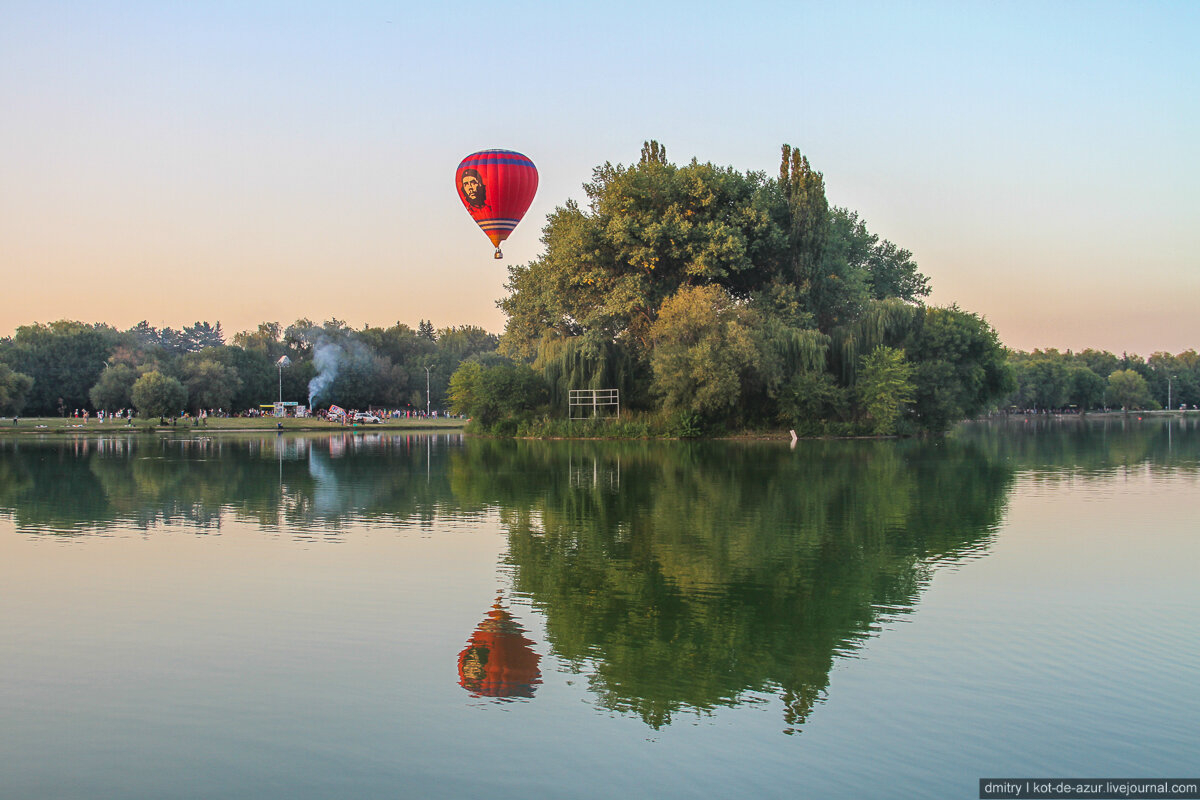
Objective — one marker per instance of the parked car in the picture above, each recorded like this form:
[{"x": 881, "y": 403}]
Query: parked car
[{"x": 364, "y": 416}]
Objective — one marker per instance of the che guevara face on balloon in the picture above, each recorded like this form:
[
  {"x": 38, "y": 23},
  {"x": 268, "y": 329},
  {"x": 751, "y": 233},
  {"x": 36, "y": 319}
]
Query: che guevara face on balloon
[{"x": 473, "y": 189}]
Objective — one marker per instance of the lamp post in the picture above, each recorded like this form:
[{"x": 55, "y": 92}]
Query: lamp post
[
  {"x": 427, "y": 390},
  {"x": 283, "y": 361},
  {"x": 1169, "y": 379}
]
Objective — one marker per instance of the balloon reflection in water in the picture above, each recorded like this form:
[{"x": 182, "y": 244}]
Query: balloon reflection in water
[{"x": 499, "y": 661}]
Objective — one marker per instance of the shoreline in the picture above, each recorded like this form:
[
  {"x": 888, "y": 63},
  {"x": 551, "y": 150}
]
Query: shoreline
[{"x": 58, "y": 426}]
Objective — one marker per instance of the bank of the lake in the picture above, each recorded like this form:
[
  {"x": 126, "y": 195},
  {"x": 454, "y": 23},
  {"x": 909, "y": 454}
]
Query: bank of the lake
[
  {"x": 579, "y": 430},
  {"x": 22, "y": 426}
]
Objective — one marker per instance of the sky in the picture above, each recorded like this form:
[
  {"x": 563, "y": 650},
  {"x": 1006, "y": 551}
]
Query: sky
[{"x": 241, "y": 162}]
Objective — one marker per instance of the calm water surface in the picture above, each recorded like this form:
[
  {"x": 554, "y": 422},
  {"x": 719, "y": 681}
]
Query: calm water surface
[{"x": 376, "y": 615}]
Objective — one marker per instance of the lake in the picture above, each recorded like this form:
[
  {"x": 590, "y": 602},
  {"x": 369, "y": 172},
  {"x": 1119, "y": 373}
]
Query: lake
[{"x": 387, "y": 615}]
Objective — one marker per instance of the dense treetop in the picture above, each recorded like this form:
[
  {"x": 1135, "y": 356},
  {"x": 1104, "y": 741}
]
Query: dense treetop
[
  {"x": 731, "y": 298},
  {"x": 61, "y": 367}
]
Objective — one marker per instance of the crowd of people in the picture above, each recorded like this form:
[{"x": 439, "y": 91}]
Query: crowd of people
[{"x": 84, "y": 416}]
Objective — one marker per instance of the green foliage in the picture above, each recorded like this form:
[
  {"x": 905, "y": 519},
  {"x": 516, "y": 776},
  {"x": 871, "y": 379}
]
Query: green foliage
[
  {"x": 267, "y": 340},
  {"x": 64, "y": 359},
  {"x": 628, "y": 426},
  {"x": 112, "y": 389},
  {"x": 808, "y": 232},
  {"x": 783, "y": 351},
  {"x": 884, "y": 388},
  {"x": 1085, "y": 388},
  {"x": 686, "y": 425},
  {"x": 258, "y": 377},
  {"x": 1128, "y": 389},
  {"x": 14, "y": 388},
  {"x": 489, "y": 394},
  {"x": 725, "y": 288},
  {"x": 156, "y": 395},
  {"x": 960, "y": 366},
  {"x": 644, "y": 580},
  {"x": 883, "y": 323},
  {"x": 809, "y": 399},
  {"x": 1044, "y": 382},
  {"x": 589, "y": 362},
  {"x": 75, "y": 365},
  {"x": 650, "y": 229},
  {"x": 1101, "y": 362},
  {"x": 1052, "y": 380},
  {"x": 703, "y": 348},
  {"x": 209, "y": 383}
]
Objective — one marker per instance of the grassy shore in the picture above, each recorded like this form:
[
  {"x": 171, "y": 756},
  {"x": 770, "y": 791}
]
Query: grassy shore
[{"x": 69, "y": 425}]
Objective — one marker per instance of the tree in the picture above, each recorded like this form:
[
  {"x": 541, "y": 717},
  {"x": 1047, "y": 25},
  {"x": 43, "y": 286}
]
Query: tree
[
  {"x": 703, "y": 347},
  {"x": 209, "y": 383},
  {"x": 960, "y": 366},
  {"x": 1044, "y": 381},
  {"x": 144, "y": 334},
  {"x": 811, "y": 397},
  {"x": 300, "y": 337},
  {"x": 64, "y": 359},
  {"x": 112, "y": 389},
  {"x": 808, "y": 231},
  {"x": 1129, "y": 390},
  {"x": 1086, "y": 388},
  {"x": 156, "y": 395},
  {"x": 592, "y": 362},
  {"x": 201, "y": 335},
  {"x": 257, "y": 374},
  {"x": 14, "y": 388},
  {"x": 267, "y": 339},
  {"x": 884, "y": 388},
  {"x": 490, "y": 393},
  {"x": 649, "y": 229}
]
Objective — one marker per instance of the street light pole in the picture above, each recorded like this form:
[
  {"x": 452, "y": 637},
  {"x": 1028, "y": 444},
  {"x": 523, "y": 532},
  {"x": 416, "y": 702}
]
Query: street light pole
[
  {"x": 427, "y": 390},
  {"x": 1169, "y": 379},
  {"x": 283, "y": 361}
]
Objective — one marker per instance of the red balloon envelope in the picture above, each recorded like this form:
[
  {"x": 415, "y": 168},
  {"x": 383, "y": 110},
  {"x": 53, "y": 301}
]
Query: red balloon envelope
[
  {"x": 499, "y": 660},
  {"x": 496, "y": 187}
]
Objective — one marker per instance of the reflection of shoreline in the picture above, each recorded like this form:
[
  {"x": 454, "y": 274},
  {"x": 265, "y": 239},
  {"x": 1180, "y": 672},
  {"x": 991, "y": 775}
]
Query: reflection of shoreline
[{"x": 71, "y": 485}]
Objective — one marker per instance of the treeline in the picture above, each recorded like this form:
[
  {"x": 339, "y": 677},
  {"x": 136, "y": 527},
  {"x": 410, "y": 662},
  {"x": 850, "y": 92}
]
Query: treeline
[
  {"x": 57, "y": 368},
  {"x": 712, "y": 299},
  {"x": 1049, "y": 380}
]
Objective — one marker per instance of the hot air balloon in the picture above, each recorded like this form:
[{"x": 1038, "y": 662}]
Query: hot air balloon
[
  {"x": 496, "y": 187},
  {"x": 499, "y": 660}
]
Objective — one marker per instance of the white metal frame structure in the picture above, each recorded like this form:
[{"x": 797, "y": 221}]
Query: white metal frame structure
[{"x": 590, "y": 403}]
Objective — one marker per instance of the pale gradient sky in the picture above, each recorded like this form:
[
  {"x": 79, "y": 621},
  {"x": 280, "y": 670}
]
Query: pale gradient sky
[{"x": 241, "y": 162}]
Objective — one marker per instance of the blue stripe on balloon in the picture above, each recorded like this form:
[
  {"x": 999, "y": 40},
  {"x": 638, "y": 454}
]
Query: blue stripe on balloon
[
  {"x": 475, "y": 162},
  {"x": 471, "y": 164}
]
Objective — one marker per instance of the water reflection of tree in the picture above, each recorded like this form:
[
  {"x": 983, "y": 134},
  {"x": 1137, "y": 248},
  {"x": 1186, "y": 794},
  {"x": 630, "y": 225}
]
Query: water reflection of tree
[
  {"x": 74, "y": 485},
  {"x": 324, "y": 482},
  {"x": 685, "y": 577},
  {"x": 1091, "y": 445},
  {"x": 678, "y": 577}
]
